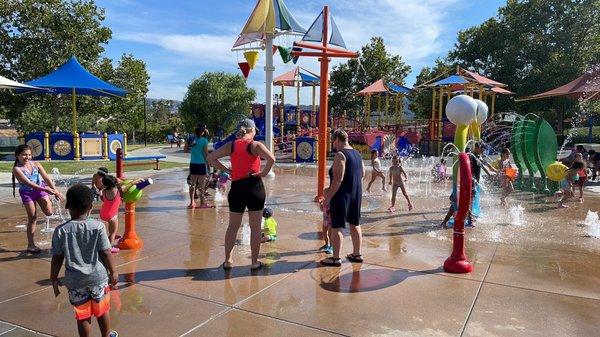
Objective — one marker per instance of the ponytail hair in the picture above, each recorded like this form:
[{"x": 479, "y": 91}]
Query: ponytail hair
[
  {"x": 18, "y": 150},
  {"x": 241, "y": 132}
]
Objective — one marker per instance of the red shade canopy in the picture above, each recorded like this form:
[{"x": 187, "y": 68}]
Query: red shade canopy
[
  {"x": 586, "y": 86},
  {"x": 375, "y": 88}
]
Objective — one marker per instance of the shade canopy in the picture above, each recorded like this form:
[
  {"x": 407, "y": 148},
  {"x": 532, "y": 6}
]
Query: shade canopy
[
  {"x": 586, "y": 86},
  {"x": 481, "y": 79},
  {"x": 452, "y": 79},
  {"x": 380, "y": 87},
  {"x": 5, "y": 83},
  {"x": 297, "y": 77},
  {"x": 268, "y": 16},
  {"x": 71, "y": 76}
]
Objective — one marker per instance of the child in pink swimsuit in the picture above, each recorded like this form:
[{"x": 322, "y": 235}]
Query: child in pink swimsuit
[{"x": 111, "y": 200}]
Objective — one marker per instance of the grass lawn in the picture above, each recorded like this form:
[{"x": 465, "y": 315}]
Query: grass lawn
[
  {"x": 133, "y": 147},
  {"x": 583, "y": 131},
  {"x": 70, "y": 167}
]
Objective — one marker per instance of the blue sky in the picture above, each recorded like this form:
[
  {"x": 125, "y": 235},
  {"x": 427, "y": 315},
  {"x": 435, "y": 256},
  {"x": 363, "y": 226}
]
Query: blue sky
[{"x": 179, "y": 40}]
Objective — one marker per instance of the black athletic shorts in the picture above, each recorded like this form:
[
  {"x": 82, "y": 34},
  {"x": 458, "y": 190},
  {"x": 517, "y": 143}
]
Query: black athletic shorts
[
  {"x": 344, "y": 209},
  {"x": 246, "y": 193},
  {"x": 198, "y": 169}
]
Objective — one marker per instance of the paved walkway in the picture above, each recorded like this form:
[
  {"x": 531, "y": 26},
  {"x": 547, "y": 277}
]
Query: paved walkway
[{"x": 539, "y": 278}]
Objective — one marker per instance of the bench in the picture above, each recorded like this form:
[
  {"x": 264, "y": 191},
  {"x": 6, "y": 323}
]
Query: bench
[
  {"x": 174, "y": 140},
  {"x": 154, "y": 159}
]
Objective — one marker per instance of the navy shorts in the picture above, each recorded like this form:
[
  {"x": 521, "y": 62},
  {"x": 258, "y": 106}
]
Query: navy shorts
[
  {"x": 344, "y": 209},
  {"x": 198, "y": 169}
]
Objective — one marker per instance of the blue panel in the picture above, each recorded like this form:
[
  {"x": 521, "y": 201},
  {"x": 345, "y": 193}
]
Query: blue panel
[
  {"x": 62, "y": 146},
  {"x": 39, "y": 136},
  {"x": 336, "y": 36},
  {"x": 115, "y": 140},
  {"x": 305, "y": 157}
]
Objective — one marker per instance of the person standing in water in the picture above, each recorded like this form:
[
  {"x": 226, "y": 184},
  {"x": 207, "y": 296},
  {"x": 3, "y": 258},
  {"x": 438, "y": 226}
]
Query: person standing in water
[
  {"x": 343, "y": 197},
  {"x": 397, "y": 179},
  {"x": 377, "y": 172}
]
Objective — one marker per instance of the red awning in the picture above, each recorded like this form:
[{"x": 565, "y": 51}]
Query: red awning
[
  {"x": 288, "y": 79},
  {"x": 586, "y": 86},
  {"x": 483, "y": 80},
  {"x": 376, "y": 88},
  {"x": 502, "y": 91}
]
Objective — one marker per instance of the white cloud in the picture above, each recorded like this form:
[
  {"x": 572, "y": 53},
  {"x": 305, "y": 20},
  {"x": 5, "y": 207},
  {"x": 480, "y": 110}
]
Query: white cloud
[
  {"x": 202, "y": 48},
  {"x": 415, "y": 29}
]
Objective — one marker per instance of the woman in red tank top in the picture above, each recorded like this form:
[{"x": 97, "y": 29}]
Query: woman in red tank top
[{"x": 247, "y": 191}]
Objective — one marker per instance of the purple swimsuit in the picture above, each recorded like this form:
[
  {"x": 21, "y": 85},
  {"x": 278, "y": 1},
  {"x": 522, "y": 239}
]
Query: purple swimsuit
[{"x": 27, "y": 193}]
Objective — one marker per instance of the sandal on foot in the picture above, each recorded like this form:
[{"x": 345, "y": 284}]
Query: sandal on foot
[
  {"x": 226, "y": 265},
  {"x": 35, "y": 250},
  {"x": 354, "y": 258},
  {"x": 331, "y": 262},
  {"x": 257, "y": 267},
  {"x": 191, "y": 206}
]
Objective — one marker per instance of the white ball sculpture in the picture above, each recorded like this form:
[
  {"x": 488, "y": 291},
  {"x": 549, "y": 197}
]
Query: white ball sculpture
[
  {"x": 482, "y": 111},
  {"x": 461, "y": 110}
]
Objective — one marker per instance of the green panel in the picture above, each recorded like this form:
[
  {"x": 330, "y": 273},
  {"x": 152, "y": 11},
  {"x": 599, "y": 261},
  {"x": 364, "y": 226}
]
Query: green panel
[
  {"x": 528, "y": 137},
  {"x": 517, "y": 151},
  {"x": 547, "y": 148}
]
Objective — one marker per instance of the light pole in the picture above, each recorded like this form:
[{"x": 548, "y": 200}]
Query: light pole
[{"x": 145, "y": 129}]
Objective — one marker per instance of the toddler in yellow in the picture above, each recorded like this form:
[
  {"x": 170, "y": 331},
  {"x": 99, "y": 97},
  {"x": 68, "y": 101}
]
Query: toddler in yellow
[{"x": 270, "y": 230}]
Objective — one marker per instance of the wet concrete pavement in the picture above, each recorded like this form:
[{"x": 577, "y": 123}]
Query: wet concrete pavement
[{"x": 541, "y": 278}]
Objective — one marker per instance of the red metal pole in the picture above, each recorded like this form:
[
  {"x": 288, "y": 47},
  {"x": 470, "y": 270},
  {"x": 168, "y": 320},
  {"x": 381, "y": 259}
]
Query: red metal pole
[
  {"x": 457, "y": 262},
  {"x": 119, "y": 163}
]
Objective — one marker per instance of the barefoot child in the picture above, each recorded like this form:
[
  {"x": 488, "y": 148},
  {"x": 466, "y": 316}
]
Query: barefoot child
[
  {"x": 568, "y": 184},
  {"x": 83, "y": 245},
  {"x": 376, "y": 173},
  {"x": 506, "y": 177},
  {"x": 451, "y": 211},
  {"x": 34, "y": 186},
  {"x": 582, "y": 175},
  {"x": 111, "y": 196},
  {"x": 270, "y": 231},
  {"x": 397, "y": 181},
  {"x": 325, "y": 229}
]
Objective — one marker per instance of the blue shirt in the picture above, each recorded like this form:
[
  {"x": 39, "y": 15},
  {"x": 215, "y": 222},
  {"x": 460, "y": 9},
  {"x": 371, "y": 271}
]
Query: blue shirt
[{"x": 197, "y": 151}]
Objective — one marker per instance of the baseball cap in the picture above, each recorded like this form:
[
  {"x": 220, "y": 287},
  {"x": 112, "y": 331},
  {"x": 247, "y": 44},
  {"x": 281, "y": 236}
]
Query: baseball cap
[{"x": 247, "y": 123}]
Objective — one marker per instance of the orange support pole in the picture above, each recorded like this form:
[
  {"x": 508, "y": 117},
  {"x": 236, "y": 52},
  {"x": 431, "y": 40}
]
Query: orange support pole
[
  {"x": 130, "y": 240},
  {"x": 323, "y": 53}
]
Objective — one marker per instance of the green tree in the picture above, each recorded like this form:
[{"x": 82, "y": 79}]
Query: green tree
[
  {"x": 36, "y": 37},
  {"x": 533, "y": 46},
  {"x": 373, "y": 63},
  {"x": 213, "y": 99}
]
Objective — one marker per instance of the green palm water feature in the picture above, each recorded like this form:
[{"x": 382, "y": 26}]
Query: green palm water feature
[
  {"x": 547, "y": 148},
  {"x": 534, "y": 146},
  {"x": 530, "y": 145}
]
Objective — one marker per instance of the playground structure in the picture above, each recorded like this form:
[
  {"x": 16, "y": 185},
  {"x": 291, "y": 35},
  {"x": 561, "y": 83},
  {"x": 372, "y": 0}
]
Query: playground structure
[
  {"x": 463, "y": 82},
  {"x": 65, "y": 145}
]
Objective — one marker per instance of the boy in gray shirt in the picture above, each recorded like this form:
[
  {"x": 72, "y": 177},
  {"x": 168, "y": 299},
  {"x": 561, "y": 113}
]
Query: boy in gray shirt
[{"x": 83, "y": 245}]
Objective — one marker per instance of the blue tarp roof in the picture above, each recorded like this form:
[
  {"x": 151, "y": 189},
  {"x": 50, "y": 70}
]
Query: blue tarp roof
[
  {"x": 308, "y": 79},
  {"x": 454, "y": 79},
  {"x": 72, "y": 75},
  {"x": 398, "y": 88}
]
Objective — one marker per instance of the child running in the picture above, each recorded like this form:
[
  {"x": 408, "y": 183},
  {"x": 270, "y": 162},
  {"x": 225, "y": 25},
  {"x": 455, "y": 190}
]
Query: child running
[
  {"x": 376, "y": 173},
  {"x": 568, "y": 184},
  {"x": 270, "y": 231},
  {"x": 111, "y": 196},
  {"x": 34, "y": 186},
  {"x": 83, "y": 245},
  {"x": 582, "y": 175},
  {"x": 451, "y": 211},
  {"x": 396, "y": 180}
]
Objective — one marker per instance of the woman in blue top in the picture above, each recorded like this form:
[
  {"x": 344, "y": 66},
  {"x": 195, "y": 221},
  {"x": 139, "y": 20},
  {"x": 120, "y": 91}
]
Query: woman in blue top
[
  {"x": 343, "y": 198},
  {"x": 198, "y": 166}
]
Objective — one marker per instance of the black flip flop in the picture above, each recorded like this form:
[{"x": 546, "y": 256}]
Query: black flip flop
[
  {"x": 355, "y": 258},
  {"x": 260, "y": 265},
  {"x": 226, "y": 267},
  {"x": 331, "y": 262},
  {"x": 37, "y": 250}
]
